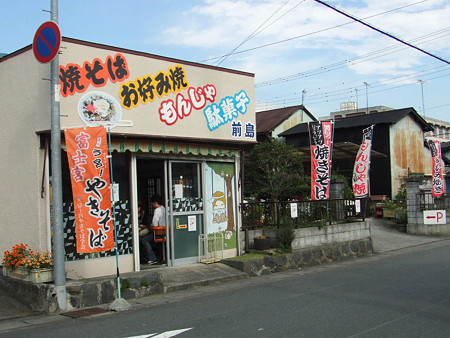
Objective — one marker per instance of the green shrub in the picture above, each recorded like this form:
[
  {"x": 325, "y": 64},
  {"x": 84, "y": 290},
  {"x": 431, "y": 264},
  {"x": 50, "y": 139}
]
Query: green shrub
[
  {"x": 286, "y": 236},
  {"x": 401, "y": 216},
  {"x": 145, "y": 283},
  {"x": 125, "y": 284}
]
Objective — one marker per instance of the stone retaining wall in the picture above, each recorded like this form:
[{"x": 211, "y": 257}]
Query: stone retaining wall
[
  {"x": 38, "y": 297},
  {"x": 86, "y": 293},
  {"x": 304, "y": 257}
]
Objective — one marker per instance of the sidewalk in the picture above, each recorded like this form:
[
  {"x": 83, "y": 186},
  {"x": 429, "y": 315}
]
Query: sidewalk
[{"x": 384, "y": 238}]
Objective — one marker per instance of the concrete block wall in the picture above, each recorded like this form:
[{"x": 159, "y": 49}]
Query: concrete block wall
[
  {"x": 340, "y": 233},
  {"x": 315, "y": 236}
]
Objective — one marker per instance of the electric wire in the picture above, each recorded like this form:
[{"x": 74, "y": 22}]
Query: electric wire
[
  {"x": 257, "y": 31},
  {"x": 352, "y": 61},
  {"x": 382, "y": 32},
  {"x": 311, "y": 33},
  {"x": 319, "y": 92}
]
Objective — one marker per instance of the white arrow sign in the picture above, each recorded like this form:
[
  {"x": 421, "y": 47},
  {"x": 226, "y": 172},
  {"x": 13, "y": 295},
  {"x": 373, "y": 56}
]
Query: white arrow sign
[{"x": 434, "y": 217}]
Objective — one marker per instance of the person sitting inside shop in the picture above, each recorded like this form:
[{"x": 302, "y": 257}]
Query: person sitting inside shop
[{"x": 159, "y": 220}]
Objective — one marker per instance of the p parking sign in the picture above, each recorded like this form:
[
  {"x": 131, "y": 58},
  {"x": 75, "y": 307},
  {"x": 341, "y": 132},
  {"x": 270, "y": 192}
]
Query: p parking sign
[
  {"x": 434, "y": 217},
  {"x": 47, "y": 41}
]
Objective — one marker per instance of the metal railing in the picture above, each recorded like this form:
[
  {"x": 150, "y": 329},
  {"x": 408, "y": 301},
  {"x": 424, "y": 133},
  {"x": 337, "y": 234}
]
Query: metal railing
[
  {"x": 426, "y": 201},
  {"x": 263, "y": 214}
]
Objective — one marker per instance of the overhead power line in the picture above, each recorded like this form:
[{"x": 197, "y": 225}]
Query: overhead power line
[
  {"x": 354, "y": 60},
  {"x": 254, "y": 33},
  {"x": 382, "y": 32},
  {"x": 307, "y": 34}
]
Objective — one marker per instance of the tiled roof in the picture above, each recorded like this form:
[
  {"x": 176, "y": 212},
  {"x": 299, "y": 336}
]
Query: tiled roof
[{"x": 268, "y": 120}]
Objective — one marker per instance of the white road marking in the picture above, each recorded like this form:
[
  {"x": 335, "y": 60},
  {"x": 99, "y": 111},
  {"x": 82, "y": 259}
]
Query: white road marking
[{"x": 166, "y": 334}]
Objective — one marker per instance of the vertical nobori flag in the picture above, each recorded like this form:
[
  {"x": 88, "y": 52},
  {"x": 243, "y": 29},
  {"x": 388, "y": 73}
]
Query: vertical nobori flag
[
  {"x": 321, "y": 142},
  {"x": 437, "y": 174},
  {"x": 360, "y": 181},
  {"x": 87, "y": 151}
]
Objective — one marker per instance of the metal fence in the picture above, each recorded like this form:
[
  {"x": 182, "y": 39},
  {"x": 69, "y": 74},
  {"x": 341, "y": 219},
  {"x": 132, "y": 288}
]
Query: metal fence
[
  {"x": 426, "y": 201},
  {"x": 263, "y": 214}
]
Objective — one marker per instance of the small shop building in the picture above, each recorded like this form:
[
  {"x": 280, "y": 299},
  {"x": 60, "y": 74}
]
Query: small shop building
[{"x": 177, "y": 129}]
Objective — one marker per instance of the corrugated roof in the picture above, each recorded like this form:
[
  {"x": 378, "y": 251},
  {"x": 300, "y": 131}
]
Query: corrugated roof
[
  {"x": 386, "y": 117},
  {"x": 268, "y": 120}
]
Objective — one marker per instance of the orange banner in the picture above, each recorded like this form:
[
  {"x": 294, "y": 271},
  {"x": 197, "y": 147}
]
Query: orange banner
[{"x": 87, "y": 151}]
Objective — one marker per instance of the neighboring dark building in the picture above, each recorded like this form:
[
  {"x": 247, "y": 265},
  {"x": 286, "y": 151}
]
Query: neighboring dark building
[{"x": 398, "y": 146}]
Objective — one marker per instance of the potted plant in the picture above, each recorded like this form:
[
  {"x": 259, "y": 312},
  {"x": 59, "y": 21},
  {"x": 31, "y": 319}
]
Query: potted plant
[
  {"x": 388, "y": 209},
  {"x": 26, "y": 264},
  {"x": 262, "y": 242}
]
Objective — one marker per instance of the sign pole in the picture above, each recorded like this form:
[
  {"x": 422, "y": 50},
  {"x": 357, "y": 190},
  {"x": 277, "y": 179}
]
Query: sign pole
[{"x": 58, "y": 229}]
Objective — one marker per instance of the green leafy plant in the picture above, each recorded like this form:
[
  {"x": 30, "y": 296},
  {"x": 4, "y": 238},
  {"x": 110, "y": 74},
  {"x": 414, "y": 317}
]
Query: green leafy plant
[
  {"x": 274, "y": 170},
  {"x": 125, "y": 284},
  {"x": 401, "y": 216},
  {"x": 145, "y": 283},
  {"x": 286, "y": 236}
]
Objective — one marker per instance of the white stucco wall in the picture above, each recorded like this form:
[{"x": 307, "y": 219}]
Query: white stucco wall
[
  {"x": 24, "y": 109},
  {"x": 299, "y": 117}
]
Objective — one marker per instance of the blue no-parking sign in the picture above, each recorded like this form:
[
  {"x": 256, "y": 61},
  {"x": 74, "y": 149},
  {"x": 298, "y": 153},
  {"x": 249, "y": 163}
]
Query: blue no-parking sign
[{"x": 47, "y": 41}]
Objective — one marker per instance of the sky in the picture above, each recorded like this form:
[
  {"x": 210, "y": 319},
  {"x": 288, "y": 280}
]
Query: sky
[{"x": 300, "y": 51}]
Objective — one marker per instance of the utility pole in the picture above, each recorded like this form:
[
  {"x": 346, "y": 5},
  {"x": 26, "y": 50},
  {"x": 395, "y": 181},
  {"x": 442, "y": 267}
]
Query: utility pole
[
  {"x": 357, "y": 103},
  {"x": 303, "y": 95},
  {"x": 367, "y": 99},
  {"x": 58, "y": 229},
  {"x": 423, "y": 101}
]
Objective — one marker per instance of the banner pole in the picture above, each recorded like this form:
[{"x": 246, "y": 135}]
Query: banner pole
[{"x": 119, "y": 285}]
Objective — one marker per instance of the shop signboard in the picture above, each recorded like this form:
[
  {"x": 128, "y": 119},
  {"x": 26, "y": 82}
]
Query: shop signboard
[{"x": 162, "y": 97}]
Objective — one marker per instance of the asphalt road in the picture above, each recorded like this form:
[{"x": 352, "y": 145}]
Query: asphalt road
[{"x": 404, "y": 293}]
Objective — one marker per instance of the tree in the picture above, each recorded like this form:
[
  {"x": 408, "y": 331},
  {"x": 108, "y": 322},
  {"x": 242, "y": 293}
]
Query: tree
[{"x": 275, "y": 170}]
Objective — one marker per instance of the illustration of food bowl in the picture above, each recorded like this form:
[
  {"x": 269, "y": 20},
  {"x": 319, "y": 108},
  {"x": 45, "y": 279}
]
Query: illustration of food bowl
[{"x": 96, "y": 107}]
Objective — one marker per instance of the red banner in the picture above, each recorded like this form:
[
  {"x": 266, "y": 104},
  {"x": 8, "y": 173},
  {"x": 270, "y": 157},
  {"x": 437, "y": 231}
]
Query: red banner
[
  {"x": 87, "y": 151},
  {"x": 321, "y": 142},
  {"x": 437, "y": 170},
  {"x": 361, "y": 182}
]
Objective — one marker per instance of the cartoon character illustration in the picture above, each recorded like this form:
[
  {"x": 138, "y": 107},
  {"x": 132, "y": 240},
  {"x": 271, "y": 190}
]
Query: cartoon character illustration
[{"x": 219, "y": 205}]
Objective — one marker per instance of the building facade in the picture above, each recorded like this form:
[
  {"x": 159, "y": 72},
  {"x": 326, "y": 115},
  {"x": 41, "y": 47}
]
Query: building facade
[{"x": 177, "y": 130}]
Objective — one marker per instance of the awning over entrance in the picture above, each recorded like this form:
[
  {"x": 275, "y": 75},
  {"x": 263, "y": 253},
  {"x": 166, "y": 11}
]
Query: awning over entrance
[{"x": 170, "y": 147}]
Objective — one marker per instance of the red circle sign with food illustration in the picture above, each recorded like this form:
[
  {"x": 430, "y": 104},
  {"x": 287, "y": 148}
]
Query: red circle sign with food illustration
[
  {"x": 47, "y": 41},
  {"x": 98, "y": 108}
]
